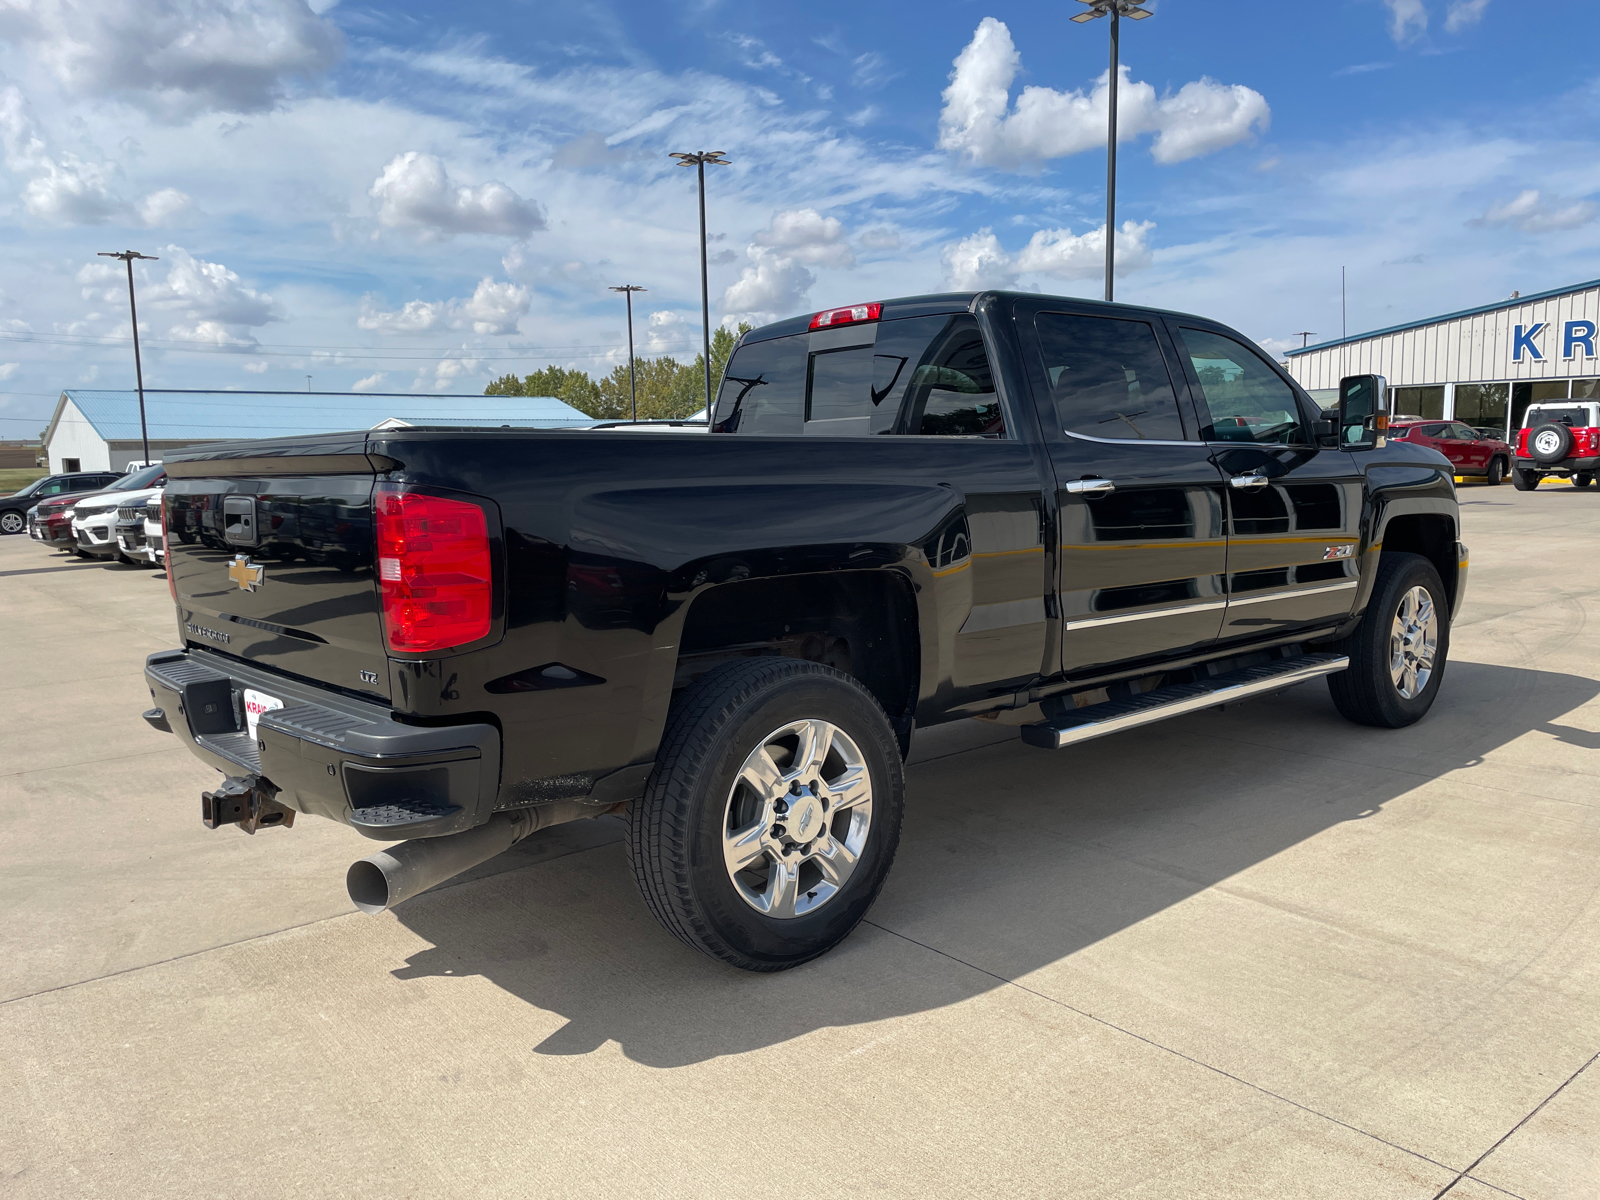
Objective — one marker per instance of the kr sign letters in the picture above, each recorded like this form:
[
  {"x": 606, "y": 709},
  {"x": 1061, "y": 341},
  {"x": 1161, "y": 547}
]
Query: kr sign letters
[{"x": 1574, "y": 334}]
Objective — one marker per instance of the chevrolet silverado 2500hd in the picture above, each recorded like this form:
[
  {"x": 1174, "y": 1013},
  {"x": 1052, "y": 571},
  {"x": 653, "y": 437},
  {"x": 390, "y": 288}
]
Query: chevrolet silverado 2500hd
[{"x": 903, "y": 513}]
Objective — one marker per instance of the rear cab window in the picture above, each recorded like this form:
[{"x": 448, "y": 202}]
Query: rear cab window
[
  {"x": 1578, "y": 416},
  {"x": 914, "y": 376}
]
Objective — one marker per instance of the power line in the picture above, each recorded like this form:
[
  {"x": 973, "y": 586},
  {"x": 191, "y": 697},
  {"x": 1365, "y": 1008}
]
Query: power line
[{"x": 309, "y": 350}]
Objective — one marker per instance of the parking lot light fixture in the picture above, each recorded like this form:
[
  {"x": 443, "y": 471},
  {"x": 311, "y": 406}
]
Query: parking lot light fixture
[
  {"x": 628, "y": 289},
  {"x": 700, "y": 159},
  {"x": 1116, "y": 10},
  {"x": 128, "y": 256}
]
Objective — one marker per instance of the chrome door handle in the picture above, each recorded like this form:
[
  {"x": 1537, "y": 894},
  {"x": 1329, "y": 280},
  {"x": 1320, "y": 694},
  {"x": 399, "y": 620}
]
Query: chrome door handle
[
  {"x": 1250, "y": 482},
  {"x": 1090, "y": 487}
]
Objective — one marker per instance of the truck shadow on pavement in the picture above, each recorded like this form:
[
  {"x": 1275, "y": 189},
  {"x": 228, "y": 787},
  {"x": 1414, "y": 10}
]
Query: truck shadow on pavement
[{"x": 1011, "y": 859}]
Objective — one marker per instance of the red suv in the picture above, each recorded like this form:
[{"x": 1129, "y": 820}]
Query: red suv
[
  {"x": 1472, "y": 452},
  {"x": 1559, "y": 438}
]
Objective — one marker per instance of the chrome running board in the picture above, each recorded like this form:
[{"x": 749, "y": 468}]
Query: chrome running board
[{"x": 1097, "y": 720}]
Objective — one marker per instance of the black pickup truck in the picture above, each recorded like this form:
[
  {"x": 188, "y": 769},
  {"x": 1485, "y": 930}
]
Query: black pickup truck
[{"x": 902, "y": 514}]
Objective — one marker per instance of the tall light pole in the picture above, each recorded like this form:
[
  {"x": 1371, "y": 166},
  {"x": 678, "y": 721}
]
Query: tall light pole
[
  {"x": 699, "y": 159},
  {"x": 1117, "y": 10},
  {"x": 128, "y": 256},
  {"x": 628, "y": 289}
]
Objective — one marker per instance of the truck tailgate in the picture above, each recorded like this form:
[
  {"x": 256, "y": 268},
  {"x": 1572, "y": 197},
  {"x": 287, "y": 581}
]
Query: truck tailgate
[{"x": 277, "y": 569}]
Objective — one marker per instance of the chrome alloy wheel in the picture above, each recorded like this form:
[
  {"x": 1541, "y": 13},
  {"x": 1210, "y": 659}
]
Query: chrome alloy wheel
[
  {"x": 11, "y": 522},
  {"x": 1413, "y": 641},
  {"x": 797, "y": 819}
]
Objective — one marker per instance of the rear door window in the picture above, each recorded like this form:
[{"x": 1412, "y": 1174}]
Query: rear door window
[
  {"x": 1247, "y": 399},
  {"x": 926, "y": 376},
  {"x": 1108, "y": 378}
]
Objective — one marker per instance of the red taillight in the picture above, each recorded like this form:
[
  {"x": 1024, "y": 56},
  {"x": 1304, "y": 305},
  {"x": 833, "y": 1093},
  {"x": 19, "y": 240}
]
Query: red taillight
[
  {"x": 433, "y": 570},
  {"x": 847, "y": 316},
  {"x": 166, "y": 552}
]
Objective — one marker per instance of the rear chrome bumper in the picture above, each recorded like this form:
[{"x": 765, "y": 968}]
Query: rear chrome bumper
[{"x": 330, "y": 755}]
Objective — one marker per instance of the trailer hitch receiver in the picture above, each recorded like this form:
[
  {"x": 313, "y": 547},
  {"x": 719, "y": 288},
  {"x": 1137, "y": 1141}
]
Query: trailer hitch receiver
[{"x": 249, "y": 803}]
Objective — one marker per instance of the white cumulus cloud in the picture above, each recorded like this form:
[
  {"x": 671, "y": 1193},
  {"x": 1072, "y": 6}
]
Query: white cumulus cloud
[
  {"x": 207, "y": 292},
  {"x": 807, "y": 236},
  {"x": 980, "y": 261},
  {"x": 1531, "y": 212},
  {"x": 7, "y": 370},
  {"x": 370, "y": 383},
  {"x": 979, "y": 123},
  {"x": 494, "y": 307},
  {"x": 773, "y": 285},
  {"x": 175, "y": 58},
  {"x": 216, "y": 333},
  {"x": 63, "y": 188},
  {"x": 166, "y": 207},
  {"x": 415, "y": 192}
]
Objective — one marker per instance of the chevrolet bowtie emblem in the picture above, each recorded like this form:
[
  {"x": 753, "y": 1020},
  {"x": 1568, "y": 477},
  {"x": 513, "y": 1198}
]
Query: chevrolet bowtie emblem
[{"x": 246, "y": 574}]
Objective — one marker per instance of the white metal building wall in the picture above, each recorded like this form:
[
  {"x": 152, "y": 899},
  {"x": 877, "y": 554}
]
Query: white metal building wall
[
  {"x": 1468, "y": 349},
  {"x": 74, "y": 437}
]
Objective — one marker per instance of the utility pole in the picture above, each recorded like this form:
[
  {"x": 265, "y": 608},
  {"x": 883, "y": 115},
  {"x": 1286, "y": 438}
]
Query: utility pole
[
  {"x": 1304, "y": 335},
  {"x": 128, "y": 256},
  {"x": 308, "y": 383},
  {"x": 628, "y": 289},
  {"x": 1116, "y": 9},
  {"x": 699, "y": 159}
]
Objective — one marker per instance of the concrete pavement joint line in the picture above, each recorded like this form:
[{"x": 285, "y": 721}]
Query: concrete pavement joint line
[
  {"x": 1475, "y": 1162},
  {"x": 1492, "y": 1188},
  {"x": 256, "y": 937},
  {"x": 85, "y": 762},
  {"x": 1022, "y": 987}
]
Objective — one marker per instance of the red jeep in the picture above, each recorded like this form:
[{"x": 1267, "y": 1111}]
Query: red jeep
[
  {"x": 1561, "y": 437},
  {"x": 1472, "y": 452}
]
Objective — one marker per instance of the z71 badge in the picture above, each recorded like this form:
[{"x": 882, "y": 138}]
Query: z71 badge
[{"x": 1333, "y": 552}]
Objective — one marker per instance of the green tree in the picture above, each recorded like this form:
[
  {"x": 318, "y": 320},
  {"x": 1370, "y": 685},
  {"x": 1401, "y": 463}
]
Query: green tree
[
  {"x": 570, "y": 386},
  {"x": 506, "y": 385}
]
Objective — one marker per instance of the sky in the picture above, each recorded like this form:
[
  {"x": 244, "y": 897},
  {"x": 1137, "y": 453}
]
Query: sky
[{"x": 420, "y": 197}]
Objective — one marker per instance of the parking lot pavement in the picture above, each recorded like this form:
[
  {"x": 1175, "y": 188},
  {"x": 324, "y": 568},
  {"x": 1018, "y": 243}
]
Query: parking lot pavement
[{"x": 1258, "y": 952}]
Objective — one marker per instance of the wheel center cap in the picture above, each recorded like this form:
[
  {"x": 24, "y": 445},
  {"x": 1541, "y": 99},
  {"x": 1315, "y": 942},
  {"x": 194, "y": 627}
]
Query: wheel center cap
[{"x": 804, "y": 819}]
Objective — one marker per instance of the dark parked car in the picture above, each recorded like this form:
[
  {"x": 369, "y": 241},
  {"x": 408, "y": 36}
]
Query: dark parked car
[
  {"x": 14, "y": 508},
  {"x": 1473, "y": 453},
  {"x": 903, "y": 514}
]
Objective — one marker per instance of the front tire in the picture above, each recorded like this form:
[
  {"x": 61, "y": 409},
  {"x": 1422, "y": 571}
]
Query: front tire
[
  {"x": 12, "y": 522},
  {"x": 773, "y": 815},
  {"x": 1497, "y": 472},
  {"x": 1398, "y": 652},
  {"x": 1524, "y": 481}
]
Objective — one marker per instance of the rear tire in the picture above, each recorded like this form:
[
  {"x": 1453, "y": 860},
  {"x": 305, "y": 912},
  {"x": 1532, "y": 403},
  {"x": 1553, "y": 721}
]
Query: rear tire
[
  {"x": 1524, "y": 481},
  {"x": 1497, "y": 472},
  {"x": 725, "y": 783},
  {"x": 1583, "y": 479},
  {"x": 11, "y": 522},
  {"x": 1398, "y": 652}
]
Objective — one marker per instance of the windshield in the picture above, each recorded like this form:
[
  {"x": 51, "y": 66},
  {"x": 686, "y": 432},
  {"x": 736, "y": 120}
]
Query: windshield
[{"x": 138, "y": 480}]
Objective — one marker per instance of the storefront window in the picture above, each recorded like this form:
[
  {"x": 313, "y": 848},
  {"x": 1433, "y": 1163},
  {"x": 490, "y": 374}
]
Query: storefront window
[
  {"x": 1418, "y": 402},
  {"x": 1586, "y": 389},
  {"x": 1524, "y": 394},
  {"x": 1482, "y": 405}
]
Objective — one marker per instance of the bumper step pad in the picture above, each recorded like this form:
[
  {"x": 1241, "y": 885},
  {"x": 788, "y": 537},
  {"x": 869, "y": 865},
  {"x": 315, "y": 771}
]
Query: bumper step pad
[
  {"x": 1097, "y": 720},
  {"x": 399, "y": 818}
]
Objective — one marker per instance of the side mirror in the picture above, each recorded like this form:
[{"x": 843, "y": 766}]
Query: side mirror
[{"x": 1363, "y": 411}]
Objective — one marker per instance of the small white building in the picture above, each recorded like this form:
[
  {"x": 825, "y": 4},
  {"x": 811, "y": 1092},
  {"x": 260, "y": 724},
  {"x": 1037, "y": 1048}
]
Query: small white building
[
  {"x": 98, "y": 430},
  {"x": 1482, "y": 366}
]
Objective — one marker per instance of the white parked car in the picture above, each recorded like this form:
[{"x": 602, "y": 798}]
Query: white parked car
[
  {"x": 138, "y": 536},
  {"x": 94, "y": 518}
]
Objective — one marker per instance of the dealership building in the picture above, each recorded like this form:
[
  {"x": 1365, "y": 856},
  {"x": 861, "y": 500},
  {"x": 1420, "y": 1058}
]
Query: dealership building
[
  {"x": 1482, "y": 366},
  {"x": 99, "y": 430}
]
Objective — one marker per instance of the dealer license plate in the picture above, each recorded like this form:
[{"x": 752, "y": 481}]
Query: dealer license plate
[{"x": 256, "y": 703}]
